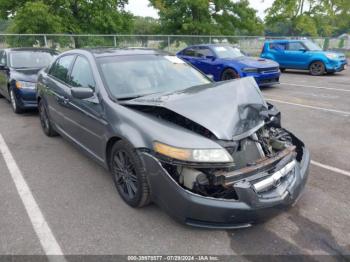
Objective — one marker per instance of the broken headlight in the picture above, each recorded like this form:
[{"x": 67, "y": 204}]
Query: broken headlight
[{"x": 193, "y": 155}]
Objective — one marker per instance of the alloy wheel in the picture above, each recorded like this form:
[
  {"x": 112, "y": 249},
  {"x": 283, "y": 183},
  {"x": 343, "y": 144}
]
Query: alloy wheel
[
  {"x": 44, "y": 120},
  {"x": 124, "y": 174},
  {"x": 317, "y": 68},
  {"x": 229, "y": 74}
]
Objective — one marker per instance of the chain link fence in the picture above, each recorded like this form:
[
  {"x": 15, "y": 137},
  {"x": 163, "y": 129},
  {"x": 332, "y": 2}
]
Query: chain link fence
[{"x": 172, "y": 43}]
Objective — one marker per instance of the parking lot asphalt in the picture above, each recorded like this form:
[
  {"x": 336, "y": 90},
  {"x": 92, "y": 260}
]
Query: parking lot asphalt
[{"x": 86, "y": 216}]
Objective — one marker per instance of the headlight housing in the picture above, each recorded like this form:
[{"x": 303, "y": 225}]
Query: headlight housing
[
  {"x": 193, "y": 155},
  {"x": 25, "y": 85},
  {"x": 250, "y": 70},
  {"x": 331, "y": 56}
]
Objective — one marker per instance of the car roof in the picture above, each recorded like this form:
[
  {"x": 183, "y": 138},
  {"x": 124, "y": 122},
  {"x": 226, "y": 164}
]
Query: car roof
[
  {"x": 209, "y": 45},
  {"x": 285, "y": 40},
  {"x": 106, "y": 52}
]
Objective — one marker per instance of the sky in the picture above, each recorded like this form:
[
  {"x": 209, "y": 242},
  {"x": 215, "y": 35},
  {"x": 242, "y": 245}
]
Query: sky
[{"x": 141, "y": 8}]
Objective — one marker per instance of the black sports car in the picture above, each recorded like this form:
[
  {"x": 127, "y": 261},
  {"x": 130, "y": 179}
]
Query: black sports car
[{"x": 210, "y": 154}]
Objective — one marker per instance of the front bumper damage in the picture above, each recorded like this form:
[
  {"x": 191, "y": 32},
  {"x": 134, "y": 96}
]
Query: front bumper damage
[{"x": 254, "y": 202}]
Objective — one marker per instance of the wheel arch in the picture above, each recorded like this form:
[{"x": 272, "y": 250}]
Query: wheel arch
[
  {"x": 109, "y": 145},
  {"x": 316, "y": 60},
  {"x": 229, "y": 67}
]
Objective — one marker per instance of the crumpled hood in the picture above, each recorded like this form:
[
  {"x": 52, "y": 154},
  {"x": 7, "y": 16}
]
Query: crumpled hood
[{"x": 229, "y": 110}]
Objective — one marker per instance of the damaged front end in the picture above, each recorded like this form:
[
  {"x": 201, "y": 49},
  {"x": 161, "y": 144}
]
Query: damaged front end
[
  {"x": 269, "y": 172},
  {"x": 264, "y": 160},
  {"x": 268, "y": 167}
]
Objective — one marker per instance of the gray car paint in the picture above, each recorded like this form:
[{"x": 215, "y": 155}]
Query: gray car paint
[
  {"x": 92, "y": 129},
  {"x": 92, "y": 123}
]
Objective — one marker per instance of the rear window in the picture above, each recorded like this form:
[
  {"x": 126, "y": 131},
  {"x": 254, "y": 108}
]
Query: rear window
[{"x": 31, "y": 59}]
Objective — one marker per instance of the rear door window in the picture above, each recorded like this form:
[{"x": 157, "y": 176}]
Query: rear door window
[
  {"x": 61, "y": 68},
  {"x": 189, "y": 52},
  {"x": 204, "y": 52},
  {"x": 278, "y": 46}
]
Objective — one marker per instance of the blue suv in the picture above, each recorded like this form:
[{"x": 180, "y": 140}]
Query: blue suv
[
  {"x": 225, "y": 62},
  {"x": 305, "y": 55}
]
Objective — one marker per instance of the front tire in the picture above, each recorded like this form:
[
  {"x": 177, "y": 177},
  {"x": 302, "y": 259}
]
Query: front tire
[
  {"x": 45, "y": 120},
  {"x": 229, "y": 74},
  {"x": 14, "y": 103},
  {"x": 129, "y": 175},
  {"x": 317, "y": 68}
]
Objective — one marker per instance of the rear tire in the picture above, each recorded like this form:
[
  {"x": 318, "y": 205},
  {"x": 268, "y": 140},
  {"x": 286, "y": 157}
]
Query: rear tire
[
  {"x": 129, "y": 175},
  {"x": 229, "y": 74},
  {"x": 282, "y": 69},
  {"x": 45, "y": 120},
  {"x": 317, "y": 68},
  {"x": 14, "y": 102}
]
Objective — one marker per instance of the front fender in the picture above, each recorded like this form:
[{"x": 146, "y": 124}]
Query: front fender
[{"x": 141, "y": 129}]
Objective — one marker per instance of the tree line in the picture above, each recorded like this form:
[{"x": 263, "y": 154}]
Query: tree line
[{"x": 192, "y": 17}]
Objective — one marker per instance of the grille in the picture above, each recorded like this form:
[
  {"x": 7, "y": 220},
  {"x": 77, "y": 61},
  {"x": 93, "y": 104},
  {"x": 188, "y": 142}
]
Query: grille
[{"x": 268, "y": 70}]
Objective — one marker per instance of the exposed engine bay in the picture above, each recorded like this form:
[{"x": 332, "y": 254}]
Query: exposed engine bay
[{"x": 263, "y": 154}]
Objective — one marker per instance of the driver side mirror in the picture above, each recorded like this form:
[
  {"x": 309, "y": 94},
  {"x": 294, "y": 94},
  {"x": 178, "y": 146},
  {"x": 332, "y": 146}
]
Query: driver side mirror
[
  {"x": 302, "y": 50},
  {"x": 82, "y": 92}
]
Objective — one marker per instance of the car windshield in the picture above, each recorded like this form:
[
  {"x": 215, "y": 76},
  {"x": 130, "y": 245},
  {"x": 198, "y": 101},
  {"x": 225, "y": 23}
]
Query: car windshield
[
  {"x": 227, "y": 52},
  {"x": 31, "y": 59},
  {"x": 311, "y": 46},
  {"x": 133, "y": 76}
]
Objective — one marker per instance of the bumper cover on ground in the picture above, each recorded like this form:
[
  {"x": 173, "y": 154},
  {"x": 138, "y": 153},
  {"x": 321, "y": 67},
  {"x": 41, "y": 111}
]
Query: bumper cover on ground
[{"x": 196, "y": 210}]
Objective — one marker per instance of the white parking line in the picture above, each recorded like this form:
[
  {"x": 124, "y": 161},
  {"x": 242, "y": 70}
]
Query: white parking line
[
  {"x": 41, "y": 228},
  {"x": 318, "y": 87},
  {"x": 330, "y": 168},
  {"x": 308, "y": 106}
]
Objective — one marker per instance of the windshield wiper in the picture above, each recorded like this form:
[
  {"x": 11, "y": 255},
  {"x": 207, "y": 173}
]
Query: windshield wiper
[
  {"x": 26, "y": 67},
  {"x": 129, "y": 97},
  {"x": 136, "y": 96}
]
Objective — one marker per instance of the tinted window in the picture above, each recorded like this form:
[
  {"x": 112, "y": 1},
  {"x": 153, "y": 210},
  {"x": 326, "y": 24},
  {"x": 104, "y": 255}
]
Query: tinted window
[
  {"x": 203, "y": 52},
  {"x": 2, "y": 57},
  {"x": 295, "y": 46},
  {"x": 61, "y": 67},
  {"x": 81, "y": 75},
  {"x": 189, "y": 52},
  {"x": 132, "y": 76},
  {"x": 30, "y": 59},
  {"x": 278, "y": 46},
  {"x": 227, "y": 52}
]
